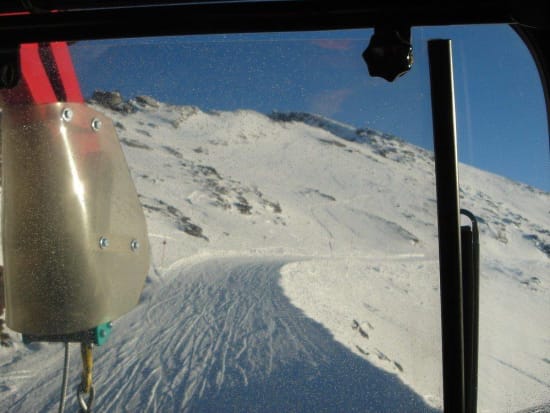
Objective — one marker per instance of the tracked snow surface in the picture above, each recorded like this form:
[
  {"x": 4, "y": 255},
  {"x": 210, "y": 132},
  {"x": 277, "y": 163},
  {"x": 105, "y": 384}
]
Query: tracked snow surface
[{"x": 295, "y": 269}]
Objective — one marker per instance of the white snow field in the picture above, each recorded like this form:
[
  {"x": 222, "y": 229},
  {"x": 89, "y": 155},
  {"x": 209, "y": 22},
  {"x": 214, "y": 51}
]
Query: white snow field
[{"x": 295, "y": 269}]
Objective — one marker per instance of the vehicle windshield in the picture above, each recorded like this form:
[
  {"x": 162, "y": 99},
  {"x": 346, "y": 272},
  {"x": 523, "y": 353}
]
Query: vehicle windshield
[{"x": 292, "y": 219}]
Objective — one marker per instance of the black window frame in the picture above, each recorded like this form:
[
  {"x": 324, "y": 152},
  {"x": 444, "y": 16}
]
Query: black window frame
[{"x": 26, "y": 22}]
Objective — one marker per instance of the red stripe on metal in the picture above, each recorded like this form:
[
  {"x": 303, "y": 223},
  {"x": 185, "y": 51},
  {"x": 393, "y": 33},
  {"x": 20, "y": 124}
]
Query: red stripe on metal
[
  {"x": 66, "y": 71},
  {"x": 35, "y": 76},
  {"x": 15, "y": 13}
]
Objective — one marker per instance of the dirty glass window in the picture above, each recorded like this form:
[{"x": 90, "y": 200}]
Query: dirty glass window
[
  {"x": 290, "y": 206},
  {"x": 291, "y": 214}
]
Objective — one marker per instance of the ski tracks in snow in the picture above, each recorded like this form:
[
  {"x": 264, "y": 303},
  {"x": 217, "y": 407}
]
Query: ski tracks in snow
[
  {"x": 220, "y": 335},
  {"x": 199, "y": 329}
]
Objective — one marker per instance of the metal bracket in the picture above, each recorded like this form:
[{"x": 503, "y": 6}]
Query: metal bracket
[
  {"x": 97, "y": 335},
  {"x": 72, "y": 221}
]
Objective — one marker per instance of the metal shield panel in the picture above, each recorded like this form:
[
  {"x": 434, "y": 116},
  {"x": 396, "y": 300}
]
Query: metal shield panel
[{"x": 75, "y": 244}]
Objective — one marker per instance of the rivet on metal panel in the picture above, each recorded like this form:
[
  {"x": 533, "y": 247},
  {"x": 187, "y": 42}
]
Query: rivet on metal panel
[
  {"x": 96, "y": 124},
  {"x": 134, "y": 245},
  {"x": 103, "y": 242},
  {"x": 67, "y": 114}
]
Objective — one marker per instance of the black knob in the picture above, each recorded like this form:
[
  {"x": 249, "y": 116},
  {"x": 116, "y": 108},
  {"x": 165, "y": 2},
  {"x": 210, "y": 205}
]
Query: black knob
[{"x": 389, "y": 54}]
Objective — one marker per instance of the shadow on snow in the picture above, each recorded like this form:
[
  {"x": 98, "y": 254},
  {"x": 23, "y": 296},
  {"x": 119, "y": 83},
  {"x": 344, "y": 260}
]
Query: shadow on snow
[{"x": 243, "y": 347}]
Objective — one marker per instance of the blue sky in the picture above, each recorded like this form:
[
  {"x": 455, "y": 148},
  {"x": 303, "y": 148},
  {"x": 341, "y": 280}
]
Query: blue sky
[{"x": 501, "y": 115}]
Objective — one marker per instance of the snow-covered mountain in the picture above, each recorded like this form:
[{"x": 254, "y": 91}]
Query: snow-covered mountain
[{"x": 295, "y": 269}]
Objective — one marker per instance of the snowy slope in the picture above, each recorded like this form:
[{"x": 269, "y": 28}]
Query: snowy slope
[{"x": 295, "y": 269}]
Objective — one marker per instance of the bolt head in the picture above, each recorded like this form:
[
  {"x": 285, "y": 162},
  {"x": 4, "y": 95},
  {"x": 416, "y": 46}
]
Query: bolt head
[
  {"x": 103, "y": 242},
  {"x": 96, "y": 124},
  {"x": 134, "y": 245},
  {"x": 67, "y": 114}
]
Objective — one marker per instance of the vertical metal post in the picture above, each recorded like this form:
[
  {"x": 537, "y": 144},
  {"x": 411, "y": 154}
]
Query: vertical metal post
[
  {"x": 466, "y": 239},
  {"x": 448, "y": 215},
  {"x": 470, "y": 292}
]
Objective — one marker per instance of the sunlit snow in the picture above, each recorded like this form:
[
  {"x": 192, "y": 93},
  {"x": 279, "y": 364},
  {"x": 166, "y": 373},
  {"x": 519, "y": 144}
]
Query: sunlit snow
[{"x": 295, "y": 268}]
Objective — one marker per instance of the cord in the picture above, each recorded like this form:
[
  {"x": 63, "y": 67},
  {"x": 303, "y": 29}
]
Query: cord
[{"x": 65, "y": 374}]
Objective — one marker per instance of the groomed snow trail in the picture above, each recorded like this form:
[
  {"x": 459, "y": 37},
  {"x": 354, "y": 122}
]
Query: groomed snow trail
[{"x": 220, "y": 336}]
